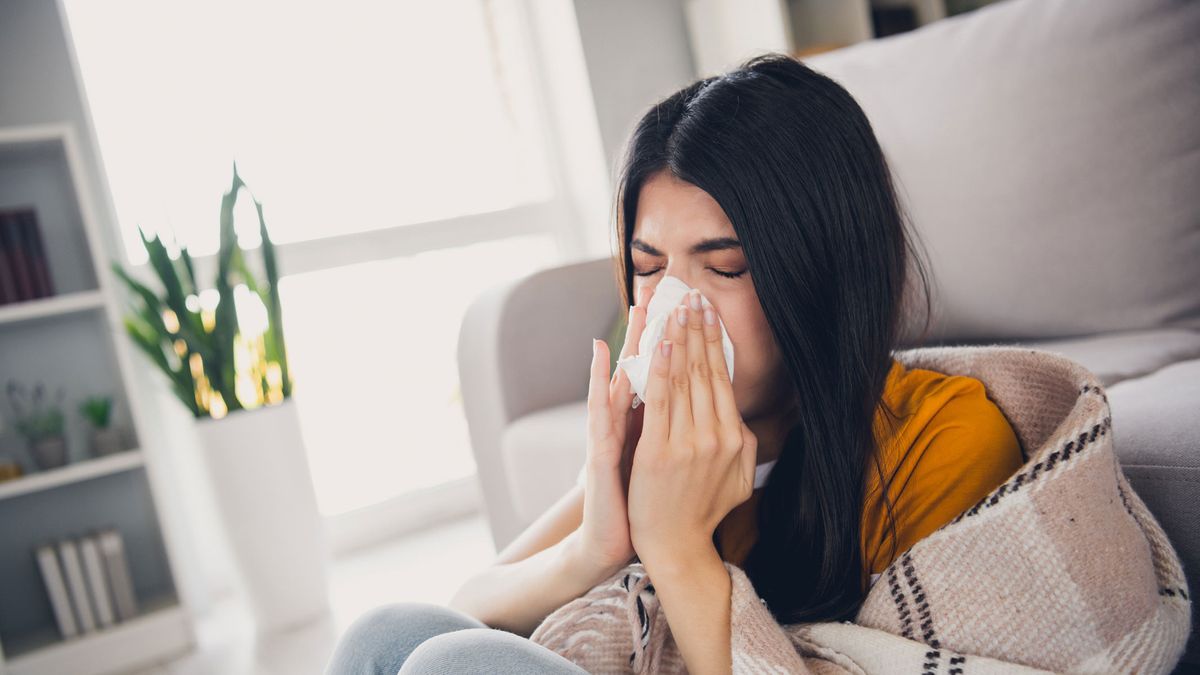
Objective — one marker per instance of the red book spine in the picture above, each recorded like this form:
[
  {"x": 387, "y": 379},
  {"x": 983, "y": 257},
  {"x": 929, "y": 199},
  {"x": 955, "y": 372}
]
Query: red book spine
[
  {"x": 16, "y": 255},
  {"x": 8, "y": 282},
  {"x": 39, "y": 266}
]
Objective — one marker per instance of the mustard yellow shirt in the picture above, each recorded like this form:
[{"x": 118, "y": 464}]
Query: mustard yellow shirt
[{"x": 951, "y": 446}]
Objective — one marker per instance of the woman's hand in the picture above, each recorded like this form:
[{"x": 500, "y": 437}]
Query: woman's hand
[
  {"x": 695, "y": 459},
  {"x": 613, "y": 429}
]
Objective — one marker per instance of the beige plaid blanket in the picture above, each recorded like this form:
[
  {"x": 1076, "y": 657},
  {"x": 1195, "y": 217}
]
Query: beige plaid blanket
[{"x": 1062, "y": 568}]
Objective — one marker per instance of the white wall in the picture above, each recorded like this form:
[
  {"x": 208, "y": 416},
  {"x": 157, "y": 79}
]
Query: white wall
[{"x": 637, "y": 51}]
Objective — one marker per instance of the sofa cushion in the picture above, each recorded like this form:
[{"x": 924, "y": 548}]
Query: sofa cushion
[
  {"x": 1119, "y": 356},
  {"x": 542, "y": 454},
  {"x": 1156, "y": 420},
  {"x": 1048, "y": 152},
  {"x": 1156, "y": 432}
]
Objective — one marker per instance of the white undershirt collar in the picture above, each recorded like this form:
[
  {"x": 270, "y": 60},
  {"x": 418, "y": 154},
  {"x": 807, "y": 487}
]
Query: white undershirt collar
[{"x": 761, "y": 471}]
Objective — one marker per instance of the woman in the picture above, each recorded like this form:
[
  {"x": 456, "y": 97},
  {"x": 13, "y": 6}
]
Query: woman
[{"x": 766, "y": 191}]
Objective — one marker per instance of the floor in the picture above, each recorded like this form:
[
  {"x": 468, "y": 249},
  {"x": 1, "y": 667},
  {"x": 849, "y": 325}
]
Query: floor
[{"x": 400, "y": 570}]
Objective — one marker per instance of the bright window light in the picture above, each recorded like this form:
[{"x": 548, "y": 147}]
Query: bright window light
[
  {"x": 342, "y": 117},
  {"x": 373, "y": 348},
  {"x": 345, "y": 117}
]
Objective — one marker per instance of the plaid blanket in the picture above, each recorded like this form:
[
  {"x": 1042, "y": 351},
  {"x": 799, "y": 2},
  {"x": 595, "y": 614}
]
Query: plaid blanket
[{"x": 1061, "y": 568}]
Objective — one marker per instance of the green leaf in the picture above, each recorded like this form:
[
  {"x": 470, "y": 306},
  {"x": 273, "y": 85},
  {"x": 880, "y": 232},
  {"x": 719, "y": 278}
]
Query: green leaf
[
  {"x": 225, "y": 327},
  {"x": 193, "y": 286},
  {"x": 276, "y": 350},
  {"x": 146, "y": 338},
  {"x": 165, "y": 267},
  {"x": 149, "y": 298}
]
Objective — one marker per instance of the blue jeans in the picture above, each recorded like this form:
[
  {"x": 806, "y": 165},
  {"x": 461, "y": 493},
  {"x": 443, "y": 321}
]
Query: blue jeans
[{"x": 422, "y": 638}]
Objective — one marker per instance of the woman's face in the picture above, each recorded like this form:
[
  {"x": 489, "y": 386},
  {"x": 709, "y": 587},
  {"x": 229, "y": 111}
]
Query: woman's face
[{"x": 681, "y": 231}]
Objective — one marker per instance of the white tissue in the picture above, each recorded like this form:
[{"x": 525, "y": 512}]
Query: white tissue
[{"x": 667, "y": 295}]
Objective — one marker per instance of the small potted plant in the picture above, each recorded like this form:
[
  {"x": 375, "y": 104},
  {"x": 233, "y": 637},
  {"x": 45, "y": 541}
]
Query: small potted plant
[
  {"x": 41, "y": 424},
  {"x": 105, "y": 440}
]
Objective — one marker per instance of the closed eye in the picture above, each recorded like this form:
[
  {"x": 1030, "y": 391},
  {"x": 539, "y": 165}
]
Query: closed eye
[{"x": 727, "y": 275}]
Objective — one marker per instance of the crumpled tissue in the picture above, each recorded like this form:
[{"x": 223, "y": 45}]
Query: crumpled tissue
[{"x": 667, "y": 295}]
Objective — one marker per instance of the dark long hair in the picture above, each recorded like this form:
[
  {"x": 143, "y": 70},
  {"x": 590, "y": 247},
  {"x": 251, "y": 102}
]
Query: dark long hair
[{"x": 794, "y": 163}]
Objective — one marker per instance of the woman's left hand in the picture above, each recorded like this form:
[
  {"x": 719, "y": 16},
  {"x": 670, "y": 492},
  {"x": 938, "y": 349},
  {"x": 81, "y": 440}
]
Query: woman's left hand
[{"x": 696, "y": 457}]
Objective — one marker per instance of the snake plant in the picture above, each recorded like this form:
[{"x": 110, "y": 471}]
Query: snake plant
[{"x": 195, "y": 347}]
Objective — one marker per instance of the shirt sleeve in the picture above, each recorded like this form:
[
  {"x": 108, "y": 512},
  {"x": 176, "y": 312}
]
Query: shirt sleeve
[{"x": 966, "y": 450}]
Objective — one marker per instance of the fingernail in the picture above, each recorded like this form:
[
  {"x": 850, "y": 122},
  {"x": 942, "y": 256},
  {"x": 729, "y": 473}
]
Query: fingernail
[
  {"x": 666, "y": 347},
  {"x": 681, "y": 315},
  {"x": 630, "y": 319},
  {"x": 594, "y": 346},
  {"x": 710, "y": 317},
  {"x": 694, "y": 295}
]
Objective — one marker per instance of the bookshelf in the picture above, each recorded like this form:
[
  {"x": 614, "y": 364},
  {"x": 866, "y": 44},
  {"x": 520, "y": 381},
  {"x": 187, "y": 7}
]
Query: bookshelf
[
  {"x": 59, "y": 305},
  {"x": 72, "y": 339}
]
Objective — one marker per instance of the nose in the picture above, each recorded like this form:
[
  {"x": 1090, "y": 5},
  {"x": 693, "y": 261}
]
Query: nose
[
  {"x": 679, "y": 273},
  {"x": 682, "y": 276},
  {"x": 687, "y": 282}
]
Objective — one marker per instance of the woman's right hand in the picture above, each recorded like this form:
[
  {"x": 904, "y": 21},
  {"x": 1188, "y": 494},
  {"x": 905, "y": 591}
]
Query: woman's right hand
[{"x": 613, "y": 430}]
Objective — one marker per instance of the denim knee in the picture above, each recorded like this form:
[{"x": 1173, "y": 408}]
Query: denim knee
[
  {"x": 379, "y": 641},
  {"x": 486, "y": 651}
]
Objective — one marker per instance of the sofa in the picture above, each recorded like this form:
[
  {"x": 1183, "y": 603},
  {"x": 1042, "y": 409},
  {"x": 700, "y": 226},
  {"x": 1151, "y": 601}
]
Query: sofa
[{"x": 1048, "y": 154}]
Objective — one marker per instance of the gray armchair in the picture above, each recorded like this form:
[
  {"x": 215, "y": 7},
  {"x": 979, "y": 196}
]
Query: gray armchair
[
  {"x": 1049, "y": 154},
  {"x": 524, "y": 353}
]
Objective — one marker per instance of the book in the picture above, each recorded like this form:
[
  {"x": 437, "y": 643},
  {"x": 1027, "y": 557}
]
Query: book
[
  {"x": 43, "y": 285},
  {"x": 112, "y": 549},
  {"x": 97, "y": 578},
  {"x": 76, "y": 586},
  {"x": 17, "y": 258},
  {"x": 8, "y": 278},
  {"x": 56, "y": 589}
]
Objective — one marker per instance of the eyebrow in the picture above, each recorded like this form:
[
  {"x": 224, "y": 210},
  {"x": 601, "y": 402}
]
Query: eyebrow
[{"x": 703, "y": 246}]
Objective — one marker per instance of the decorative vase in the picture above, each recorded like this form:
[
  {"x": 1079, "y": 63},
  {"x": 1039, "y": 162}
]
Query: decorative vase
[
  {"x": 49, "y": 452},
  {"x": 106, "y": 441},
  {"x": 258, "y": 469}
]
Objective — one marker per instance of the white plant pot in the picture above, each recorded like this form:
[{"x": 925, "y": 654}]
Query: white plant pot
[{"x": 258, "y": 470}]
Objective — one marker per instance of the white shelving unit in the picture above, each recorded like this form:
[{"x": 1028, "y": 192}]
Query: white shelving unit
[
  {"x": 70, "y": 339},
  {"x": 71, "y": 473},
  {"x": 58, "y": 305}
]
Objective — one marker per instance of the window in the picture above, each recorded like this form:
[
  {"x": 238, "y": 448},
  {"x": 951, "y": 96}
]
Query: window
[
  {"x": 394, "y": 146},
  {"x": 342, "y": 117},
  {"x": 374, "y": 352}
]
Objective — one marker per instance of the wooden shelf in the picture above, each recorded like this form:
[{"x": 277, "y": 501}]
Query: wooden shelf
[
  {"x": 72, "y": 473},
  {"x": 58, "y": 305}
]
